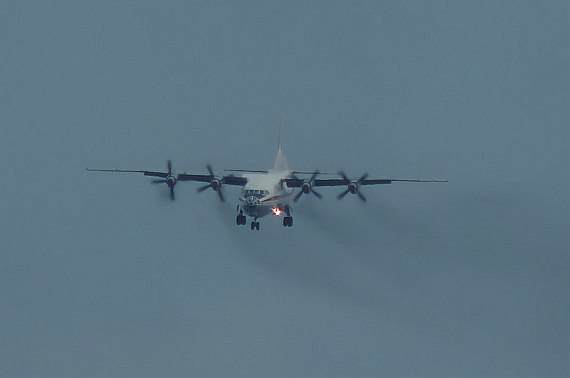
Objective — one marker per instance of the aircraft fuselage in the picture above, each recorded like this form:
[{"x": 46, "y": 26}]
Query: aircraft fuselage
[{"x": 265, "y": 194}]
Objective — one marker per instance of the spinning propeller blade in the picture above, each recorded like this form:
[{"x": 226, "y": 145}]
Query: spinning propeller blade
[
  {"x": 353, "y": 186},
  {"x": 341, "y": 195},
  {"x": 319, "y": 196},
  {"x": 307, "y": 187},
  {"x": 169, "y": 180},
  {"x": 215, "y": 183},
  {"x": 202, "y": 188}
]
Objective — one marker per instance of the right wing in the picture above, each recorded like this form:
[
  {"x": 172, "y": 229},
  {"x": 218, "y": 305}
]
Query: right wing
[
  {"x": 170, "y": 179},
  {"x": 146, "y": 173},
  {"x": 226, "y": 180}
]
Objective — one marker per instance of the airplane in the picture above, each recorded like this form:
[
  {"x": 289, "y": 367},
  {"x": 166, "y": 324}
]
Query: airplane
[{"x": 265, "y": 192}]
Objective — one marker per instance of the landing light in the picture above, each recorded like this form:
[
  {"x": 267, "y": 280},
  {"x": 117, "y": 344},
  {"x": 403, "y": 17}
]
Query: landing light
[{"x": 277, "y": 211}]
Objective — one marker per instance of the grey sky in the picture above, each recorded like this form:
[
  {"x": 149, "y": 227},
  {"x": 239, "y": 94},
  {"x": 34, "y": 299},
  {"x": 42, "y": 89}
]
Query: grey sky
[{"x": 102, "y": 275}]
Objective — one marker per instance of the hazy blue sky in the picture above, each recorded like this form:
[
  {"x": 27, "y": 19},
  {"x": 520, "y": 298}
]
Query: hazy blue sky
[{"x": 102, "y": 276}]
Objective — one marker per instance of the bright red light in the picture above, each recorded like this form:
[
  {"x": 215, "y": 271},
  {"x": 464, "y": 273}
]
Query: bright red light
[{"x": 277, "y": 211}]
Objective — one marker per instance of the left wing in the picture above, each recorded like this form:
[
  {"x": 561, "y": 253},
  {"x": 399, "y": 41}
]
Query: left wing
[
  {"x": 352, "y": 186},
  {"x": 297, "y": 182}
]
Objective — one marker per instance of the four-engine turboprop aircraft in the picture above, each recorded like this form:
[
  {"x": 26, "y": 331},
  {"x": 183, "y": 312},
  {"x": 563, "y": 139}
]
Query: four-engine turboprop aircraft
[{"x": 266, "y": 192}]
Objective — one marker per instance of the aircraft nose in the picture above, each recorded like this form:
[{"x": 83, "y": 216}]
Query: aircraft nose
[{"x": 251, "y": 202}]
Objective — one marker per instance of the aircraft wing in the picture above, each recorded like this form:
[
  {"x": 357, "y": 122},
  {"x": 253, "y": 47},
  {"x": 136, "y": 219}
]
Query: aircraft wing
[
  {"x": 226, "y": 180},
  {"x": 170, "y": 179},
  {"x": 297, "y": 183},
  {"x": 146, "y": 173},
  {"x": 352, "y": 186},
  {"x": 266, "y": 171},
  {"x": 343, "y": 182}
]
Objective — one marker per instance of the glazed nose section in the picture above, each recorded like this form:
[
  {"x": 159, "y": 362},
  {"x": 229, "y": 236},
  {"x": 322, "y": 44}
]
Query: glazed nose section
[{"x": 251, "y": 203}]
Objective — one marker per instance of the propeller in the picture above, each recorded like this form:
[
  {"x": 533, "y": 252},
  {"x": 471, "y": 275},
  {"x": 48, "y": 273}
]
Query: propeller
[
  {"x": 215, "y": 183},
  {"x": 307, "y": 187},
  {"x": 353, "y": 186},
  {"x": 169, "y": 180}
]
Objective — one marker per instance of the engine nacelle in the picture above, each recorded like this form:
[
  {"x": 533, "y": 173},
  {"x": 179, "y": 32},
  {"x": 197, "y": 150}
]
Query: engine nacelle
[
  {"x": 306, "y": 188},
  {"x": 353, "y": 187},
  {"x": 216, "y": 184},
  {"x": 171, "y": 181}
]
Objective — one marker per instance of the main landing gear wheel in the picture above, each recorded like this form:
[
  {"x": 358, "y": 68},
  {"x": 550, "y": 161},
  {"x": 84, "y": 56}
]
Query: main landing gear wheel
[
  {"x": 288, "y": 221},
  {"x": 240, "y": 220},
  {"x": 255, "y": 226}
]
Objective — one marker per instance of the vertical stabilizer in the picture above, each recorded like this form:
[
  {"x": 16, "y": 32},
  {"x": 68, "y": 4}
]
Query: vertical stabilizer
[{"x": 280, "y": 160}]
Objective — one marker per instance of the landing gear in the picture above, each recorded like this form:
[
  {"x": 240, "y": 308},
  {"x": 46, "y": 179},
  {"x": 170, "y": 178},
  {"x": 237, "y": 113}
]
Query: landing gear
[
  {"x": 240, "y": 220},
  {"x": 255, "y": 225},
  {"x": 288, "y": 222}
]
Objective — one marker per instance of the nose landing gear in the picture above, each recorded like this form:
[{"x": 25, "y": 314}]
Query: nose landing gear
[{"x": 241, "y": 220}]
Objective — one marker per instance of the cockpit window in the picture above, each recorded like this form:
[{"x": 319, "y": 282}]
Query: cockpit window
[{"x": 255, "y": 192}]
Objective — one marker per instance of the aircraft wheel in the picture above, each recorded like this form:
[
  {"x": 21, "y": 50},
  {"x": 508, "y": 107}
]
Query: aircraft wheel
[
  {"x": 288, "y": 221},
  {"x": 257, "y": 226},
  {"x": 253, "y": 226}
]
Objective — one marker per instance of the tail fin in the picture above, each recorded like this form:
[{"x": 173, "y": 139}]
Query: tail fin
[
  {"x": 280, "y": 145},
  {"x": 280, "y": 160}
]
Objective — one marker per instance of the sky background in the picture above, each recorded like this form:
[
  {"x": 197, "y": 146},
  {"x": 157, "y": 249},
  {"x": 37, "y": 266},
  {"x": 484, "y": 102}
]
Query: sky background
[{"x": 101, "y": 275}]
